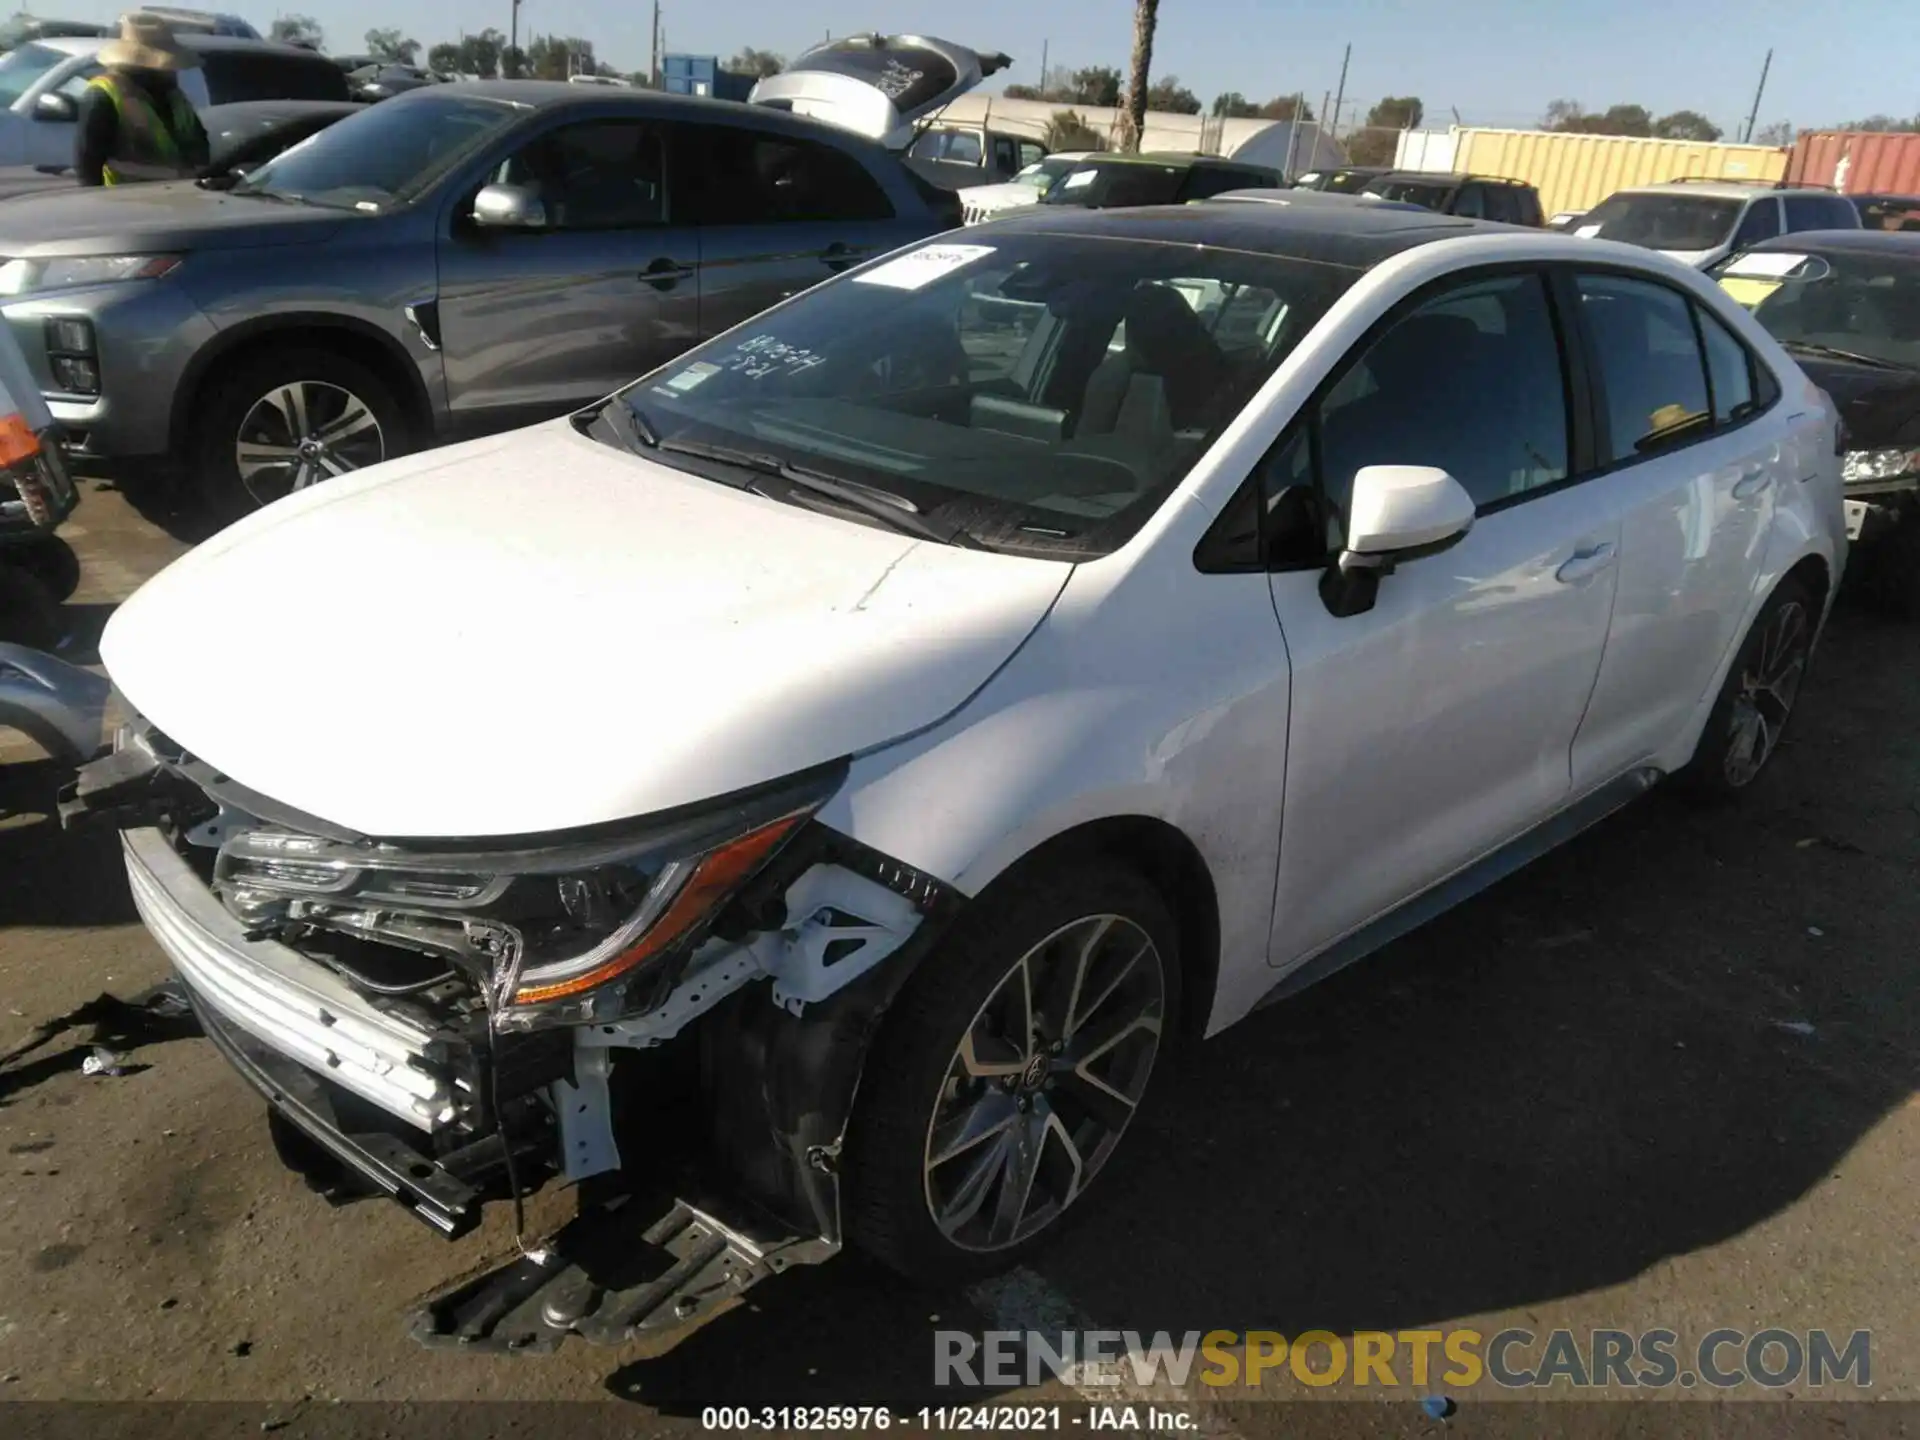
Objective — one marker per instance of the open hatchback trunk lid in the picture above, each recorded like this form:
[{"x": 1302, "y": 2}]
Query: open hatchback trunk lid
[{"x": 879, "y": 86}]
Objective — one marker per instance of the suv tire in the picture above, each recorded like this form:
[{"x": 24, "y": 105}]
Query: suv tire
[
  {"x": 955, "y": 1109},
  {"x": 304, "y": 413}
]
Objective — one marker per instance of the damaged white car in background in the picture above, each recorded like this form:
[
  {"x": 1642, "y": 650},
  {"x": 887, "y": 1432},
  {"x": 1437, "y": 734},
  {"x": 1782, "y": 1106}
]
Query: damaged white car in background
[{"x": 797, "y": 799}]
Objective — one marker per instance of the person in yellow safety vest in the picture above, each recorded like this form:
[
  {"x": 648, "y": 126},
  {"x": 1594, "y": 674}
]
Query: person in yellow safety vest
[{"x": 135, "y": 123}]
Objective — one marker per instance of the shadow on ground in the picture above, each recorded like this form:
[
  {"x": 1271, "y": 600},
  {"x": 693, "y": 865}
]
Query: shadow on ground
[
  {"x": 47, "y": 876},
  {"x": 1649, "y": 1042}
]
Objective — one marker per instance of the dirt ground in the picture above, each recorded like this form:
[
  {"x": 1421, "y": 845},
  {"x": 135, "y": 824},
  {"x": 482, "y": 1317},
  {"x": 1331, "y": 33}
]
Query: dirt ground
[{"x": 1664, "y": 1078}]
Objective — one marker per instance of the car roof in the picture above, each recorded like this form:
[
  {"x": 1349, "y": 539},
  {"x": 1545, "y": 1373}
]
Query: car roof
[
  {"x": 1450, "y": 177},
  {"x": 1358, "y": 235},
  {"x": 1711, "y": 189},
  {"x": 1866, "y": 242},
  {"x": 551, "y": 95},
  {"x": 191, "y": 40}
]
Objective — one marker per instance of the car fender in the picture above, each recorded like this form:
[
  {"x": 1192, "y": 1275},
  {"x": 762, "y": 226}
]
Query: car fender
[{"x": 1120, "y": 705}]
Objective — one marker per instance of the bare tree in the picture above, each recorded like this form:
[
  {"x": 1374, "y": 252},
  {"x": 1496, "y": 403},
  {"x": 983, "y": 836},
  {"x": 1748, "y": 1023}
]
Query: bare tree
[
  {"x": 297, "y": 30},
  {"x": 1133, "y": 119}
]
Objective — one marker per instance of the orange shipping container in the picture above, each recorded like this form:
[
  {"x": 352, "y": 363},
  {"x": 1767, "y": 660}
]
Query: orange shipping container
[{"x": 1857, "y": 162}]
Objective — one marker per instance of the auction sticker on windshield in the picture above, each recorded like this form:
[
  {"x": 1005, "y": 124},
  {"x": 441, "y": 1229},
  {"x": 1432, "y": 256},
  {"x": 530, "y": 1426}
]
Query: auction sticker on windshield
[{"x": 924, "y": 266}]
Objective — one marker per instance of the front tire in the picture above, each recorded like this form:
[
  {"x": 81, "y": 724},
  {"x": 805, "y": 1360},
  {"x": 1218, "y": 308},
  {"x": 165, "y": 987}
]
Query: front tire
[
  {"x": 1756, "y": 701},
  {"x": 277, "y": 421},
  {"x": 1007, "y": 1073},
  {"x": 29, "y": 615},
  {"x": 52, "y": 562}
]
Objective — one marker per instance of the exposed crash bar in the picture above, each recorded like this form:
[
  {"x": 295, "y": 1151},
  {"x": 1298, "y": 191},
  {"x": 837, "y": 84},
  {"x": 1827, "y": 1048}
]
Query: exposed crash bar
[{"x": 278, "y": 995}]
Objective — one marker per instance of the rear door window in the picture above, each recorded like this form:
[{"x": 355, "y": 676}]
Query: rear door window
[
  {"x": 1729, "y": 370},
  {"x": 1652, "y": 376},
  {"x": 1497, "y": 203},
  {"x": 754, "y": 177},
  {"x": 1761, "y": 222}
]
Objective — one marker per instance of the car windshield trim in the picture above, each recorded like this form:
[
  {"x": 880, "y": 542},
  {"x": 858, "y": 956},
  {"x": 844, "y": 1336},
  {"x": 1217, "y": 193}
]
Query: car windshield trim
[{"x": 990, "y": 394}]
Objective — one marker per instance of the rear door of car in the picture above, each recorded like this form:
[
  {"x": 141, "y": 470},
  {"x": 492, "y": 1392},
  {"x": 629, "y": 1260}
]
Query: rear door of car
[
  {"x": 534, "y": 321},
  {"x": 1694, "y": 450},
  {"x": 777, "y": 213}
]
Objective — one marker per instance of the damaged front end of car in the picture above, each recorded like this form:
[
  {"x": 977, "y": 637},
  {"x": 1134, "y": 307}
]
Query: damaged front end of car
[{"x": 671, "y": 1015}]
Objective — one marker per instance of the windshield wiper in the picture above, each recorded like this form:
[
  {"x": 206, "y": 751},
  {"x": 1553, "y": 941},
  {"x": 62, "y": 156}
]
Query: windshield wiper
[
  {"x": 895, "y": 511},
  {"x": 1833, "y": 352}
]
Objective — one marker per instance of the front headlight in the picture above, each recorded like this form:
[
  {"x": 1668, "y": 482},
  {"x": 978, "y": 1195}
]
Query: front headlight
[
  {"x": 1859, "y": 465},
  {"x": 573, "y": 933},
  {"x": 29, "y": 277}
]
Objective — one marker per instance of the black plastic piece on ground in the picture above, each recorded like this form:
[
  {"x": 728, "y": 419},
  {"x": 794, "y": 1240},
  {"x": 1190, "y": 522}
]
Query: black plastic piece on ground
[{"x": 622, "y": 1271}]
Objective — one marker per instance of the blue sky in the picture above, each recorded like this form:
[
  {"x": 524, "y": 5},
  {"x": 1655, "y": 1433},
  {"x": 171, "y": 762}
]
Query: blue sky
[{"x": 1497, "y": 61}]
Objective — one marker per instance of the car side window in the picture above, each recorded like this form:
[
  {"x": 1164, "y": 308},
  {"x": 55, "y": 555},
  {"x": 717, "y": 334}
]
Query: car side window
[
  {"x": 597, "y": 175},
  {"x": 753, "y": 177},
  {"x": 1006, "y": 157},
  {"x": 1840, "y": 213},
  {"x": 1651, "y": 371},
  {"x": 1805, "y": 212},
  {"x": 1729, "y": 371},
  {"x": 1205, "y": 180},
  {"x": 1472, "y": 381},
  {"x": 1761, "y": 222},
  {"x": 1471, "y": 202},
  {"x": 1031, "y": 153},
  {"x": 1497, "y": 204}
]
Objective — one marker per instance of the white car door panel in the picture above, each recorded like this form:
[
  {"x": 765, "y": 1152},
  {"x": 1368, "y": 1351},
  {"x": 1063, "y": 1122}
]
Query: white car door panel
[
  {"x": 1438, "y": 725},
  {"x": 1694, "y": 518}
]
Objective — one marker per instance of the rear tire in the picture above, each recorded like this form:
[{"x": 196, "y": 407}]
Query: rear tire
[
  {"x": 52, "y": 562},
  {"x": 971, "y": 1143},
  {"x": 29, "y": 615},
  {"x": 275, "y": 421},
  {"x": 1756, "y": 700}
]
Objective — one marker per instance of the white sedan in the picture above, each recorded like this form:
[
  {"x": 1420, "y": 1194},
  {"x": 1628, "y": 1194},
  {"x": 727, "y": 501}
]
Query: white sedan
[{"x": 837, "y": 765}]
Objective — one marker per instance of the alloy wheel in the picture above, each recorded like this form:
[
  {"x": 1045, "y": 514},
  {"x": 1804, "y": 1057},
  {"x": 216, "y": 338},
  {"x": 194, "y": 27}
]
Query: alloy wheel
[
  {"x": 301, "y": 433},
  {"x": 1044, "y": 1082},
  {"x": 1769, "y": 682}
]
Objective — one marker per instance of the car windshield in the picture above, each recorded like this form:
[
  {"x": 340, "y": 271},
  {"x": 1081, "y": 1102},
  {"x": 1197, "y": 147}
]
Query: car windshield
[
  {"x": 1346, "y": 182},
  {"x": 1427, "y": 194},
  {"x": 1041, "y": 393},
  {"x": 1862, "y": 304},
  {"x": 1042, "y": 173},
  {"x": 20, "y": 68},
  {"x": 1663, "y": 221},
  {"x": 1116, "y": 183},
  {"x": 386, "y": 155}
]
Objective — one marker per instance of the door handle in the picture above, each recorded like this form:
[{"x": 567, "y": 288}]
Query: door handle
[
  {"x": 664, "y": 274},
  {"x": 1585, "y": 564},
  {"x": 1751, "y": 484},
  {"x": 839, "y": 256}
]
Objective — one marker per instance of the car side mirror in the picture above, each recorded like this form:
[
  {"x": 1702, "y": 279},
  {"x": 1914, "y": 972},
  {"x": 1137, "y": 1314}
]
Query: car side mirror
[
  {"x": 509, "y": 207},
  {"x": 56, "y": 107},
  {"x": 1397, "y": 513}
]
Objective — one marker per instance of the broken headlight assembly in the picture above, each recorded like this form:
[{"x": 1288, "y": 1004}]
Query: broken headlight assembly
[{"x": 576, "y": 931}]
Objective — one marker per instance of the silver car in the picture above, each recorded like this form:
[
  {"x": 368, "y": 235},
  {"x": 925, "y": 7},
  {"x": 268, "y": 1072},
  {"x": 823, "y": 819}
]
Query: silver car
[{"x": 457, "y": 259}]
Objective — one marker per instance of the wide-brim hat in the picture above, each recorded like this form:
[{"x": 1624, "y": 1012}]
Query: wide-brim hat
[{"x": 147, "y": 42}]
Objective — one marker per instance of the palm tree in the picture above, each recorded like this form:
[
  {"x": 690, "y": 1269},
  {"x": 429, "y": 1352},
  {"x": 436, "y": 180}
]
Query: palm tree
[{"x": 1133, "y": 119}]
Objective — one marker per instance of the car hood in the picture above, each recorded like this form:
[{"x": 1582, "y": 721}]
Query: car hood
[
  {"x": 130, "y": 219},
  {"x": 997, "y": 197},
  {"x": 877, "y": 85},
  {"x": 1881, "y": 407},
  {"x": 538, "y": 632},
  {"x": 1695, "y": 258}
]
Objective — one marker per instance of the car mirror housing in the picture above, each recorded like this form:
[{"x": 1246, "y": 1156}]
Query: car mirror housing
[
  {"x": 56, "y": 107},
  {"x": 509, "y": 207},
  {"x": 1397, "y": 513}
]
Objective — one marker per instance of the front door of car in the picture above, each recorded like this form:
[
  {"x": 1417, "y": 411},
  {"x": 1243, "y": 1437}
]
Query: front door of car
[
  {"x": 777, "y": 214},
  {"x": 536, "y": 319},
  {"x": 1696, "y": 466},
  {"x": 1438, "y": 724}
]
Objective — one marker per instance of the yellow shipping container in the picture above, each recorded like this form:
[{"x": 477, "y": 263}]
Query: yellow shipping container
[{"x": 1577, "y": 172}]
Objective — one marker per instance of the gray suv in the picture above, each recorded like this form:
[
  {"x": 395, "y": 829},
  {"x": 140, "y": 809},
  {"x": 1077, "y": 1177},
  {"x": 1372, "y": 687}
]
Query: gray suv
[{"x": 458, "y": 259}]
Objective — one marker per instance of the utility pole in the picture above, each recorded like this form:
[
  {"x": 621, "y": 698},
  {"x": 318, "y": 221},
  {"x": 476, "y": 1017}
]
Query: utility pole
[
  {"x": 1340, "y": 95},
  {"x": 1754, "y": 114},
  {"x": 1293, "y": 136},
  {"x": 1319, "y": 129},
  {"x": 513, "y": 40},
  {"x": 655, "y": 65},
  {"x": 1043, "y": 62}
]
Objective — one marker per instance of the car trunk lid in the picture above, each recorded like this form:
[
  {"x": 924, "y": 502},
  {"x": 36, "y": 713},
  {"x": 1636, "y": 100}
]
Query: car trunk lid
[{"x": 880, "y": 86}]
